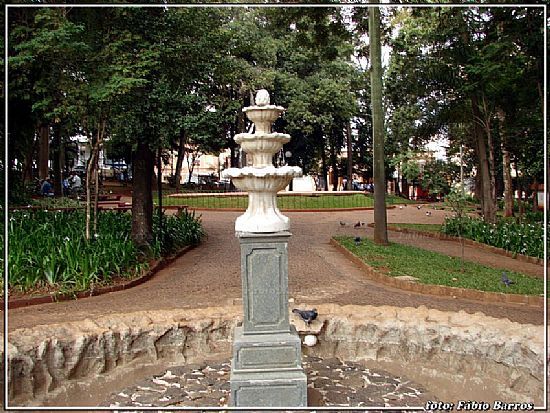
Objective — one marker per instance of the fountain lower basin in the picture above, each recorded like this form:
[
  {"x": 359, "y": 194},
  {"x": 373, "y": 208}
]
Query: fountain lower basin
[{"x": 457, "y": 356}]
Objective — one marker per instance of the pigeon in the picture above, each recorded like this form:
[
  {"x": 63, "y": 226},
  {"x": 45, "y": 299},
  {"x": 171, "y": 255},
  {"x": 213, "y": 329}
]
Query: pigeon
[
  {"x": 400, "y": 206},
  {"x": 357, "y": 225},
  {"x": 307, "y": 315},
  {"x": 507, "y": 281},
  {"x": 357, "y": 241},
  {"x": 342, "y": 224},
  {"x": 428, "y": 213},
  {"x": 418, "y": 206}
]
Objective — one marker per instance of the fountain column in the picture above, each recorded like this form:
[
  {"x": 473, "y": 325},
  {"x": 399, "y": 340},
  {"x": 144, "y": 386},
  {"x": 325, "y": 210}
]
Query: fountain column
[{"x": 266, "y": 369}]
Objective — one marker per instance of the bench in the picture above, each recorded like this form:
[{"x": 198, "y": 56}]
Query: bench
[
  {"x": 106, "y": 198},
  {"x": 179, "y": 208}
]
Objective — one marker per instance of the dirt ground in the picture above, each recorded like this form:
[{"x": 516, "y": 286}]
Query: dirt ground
[{"x": 210, "y": 274}]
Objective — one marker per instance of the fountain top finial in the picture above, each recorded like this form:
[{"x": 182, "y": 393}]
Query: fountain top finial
[{"x": 262, "y": 98}]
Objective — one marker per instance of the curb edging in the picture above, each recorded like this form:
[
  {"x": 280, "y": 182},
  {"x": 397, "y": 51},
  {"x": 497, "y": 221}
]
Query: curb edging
[
  {"x": 156, "y": 266},
  {"x": 439, "y": 290}
]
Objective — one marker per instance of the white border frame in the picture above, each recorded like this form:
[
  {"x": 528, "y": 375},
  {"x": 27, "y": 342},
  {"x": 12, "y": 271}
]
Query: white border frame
[{"x": 265, "y": 5}]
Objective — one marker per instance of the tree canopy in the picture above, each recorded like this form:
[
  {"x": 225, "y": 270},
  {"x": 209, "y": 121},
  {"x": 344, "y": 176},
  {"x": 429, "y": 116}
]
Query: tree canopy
[{"x": 166, "y": 78}]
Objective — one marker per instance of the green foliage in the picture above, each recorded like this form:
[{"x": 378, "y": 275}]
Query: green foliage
[
  {"x": 435, "y": 175},
  {"x": 419, "y": 227},
  {"x": 446, "y": 60},
  {"x": 52, "y": 203},
  {"x": 457, "y": 201},
  {"x": 177, "y": 231},
  {"x": 48, "y": 249},
  {"x": 519, "y": 238},
  {"x": 438, "y": 269}
]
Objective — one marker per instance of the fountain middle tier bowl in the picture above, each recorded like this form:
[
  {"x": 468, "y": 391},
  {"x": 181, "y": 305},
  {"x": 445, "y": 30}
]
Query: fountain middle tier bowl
[
  {"x": 261, "y": 146},
  {"x": 267, "y": 179}
]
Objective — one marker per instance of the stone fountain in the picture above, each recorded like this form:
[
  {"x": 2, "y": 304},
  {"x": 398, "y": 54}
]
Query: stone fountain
[{"x": 266, "y": 367}]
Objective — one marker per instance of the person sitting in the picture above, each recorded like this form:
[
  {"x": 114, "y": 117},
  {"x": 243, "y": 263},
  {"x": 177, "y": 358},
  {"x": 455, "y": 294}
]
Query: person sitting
[
  {"x": 65, "y": 186},
  {"x": 46, "y": 189},
  {"x": 75, "y": 181}
]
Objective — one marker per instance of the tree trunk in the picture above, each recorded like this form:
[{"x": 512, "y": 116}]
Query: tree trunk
[
  {"x": 27, "y": 167},
  {"x": 44, "y": 151},
  {"x": 380, "y": 219},
  {"x": 506, "y": 172},
  {"x": 142, "y": 197},
  {"x": 179, "y": 161},
  {"x": 486, "y": 197},
  {"x": 491, "y": 158},
  {"x": 404, "y": 187},
  {"x": 57, "y": 167},
  {"x": 350, "y": 157},
  {"x": 535, "y": 195},
  {"x": 90, "y": 167},
  {"x": 334, "y": 165},
  {"x": 324, "y": 168}
]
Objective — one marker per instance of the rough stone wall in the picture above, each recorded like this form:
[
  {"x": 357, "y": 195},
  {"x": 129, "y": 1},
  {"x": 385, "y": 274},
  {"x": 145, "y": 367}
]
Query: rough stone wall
[
  {"x": 456, "y": 347},
  {"x": 46, "y": 359}
]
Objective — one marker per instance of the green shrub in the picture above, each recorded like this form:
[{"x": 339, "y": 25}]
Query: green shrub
[
  {"x": 519, "y": 238},
  {"x": 49, "y": 248},
  {"x": 177, "y": 232}
]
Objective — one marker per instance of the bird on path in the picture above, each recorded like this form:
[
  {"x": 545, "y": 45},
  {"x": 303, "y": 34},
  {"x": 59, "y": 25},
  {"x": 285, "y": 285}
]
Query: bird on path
[
  {"x": 428, "y": 213},
  {"x": 507, "y": 281},
  {"x": 307, "y": 315},
  {"x": 400, "y": 206},
  {"x": 418, "y": 206},
  {"x": 357, "y": 225},
  {"x": 342, "y": 224},
  {"x": 357, "y": 241}
]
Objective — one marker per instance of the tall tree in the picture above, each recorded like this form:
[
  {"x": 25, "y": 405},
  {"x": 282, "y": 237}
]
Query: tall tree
[{"x": 380, "y": 219}]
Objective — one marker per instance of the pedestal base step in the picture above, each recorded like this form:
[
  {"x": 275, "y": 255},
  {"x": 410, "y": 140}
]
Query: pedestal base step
[
  {"x": 266, "y": 352},
  {"x": 280, "y": 389}
]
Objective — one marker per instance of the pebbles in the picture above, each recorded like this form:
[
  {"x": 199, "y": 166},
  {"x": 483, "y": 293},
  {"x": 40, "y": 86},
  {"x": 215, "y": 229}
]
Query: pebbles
[{"x": 331, "y": 382}]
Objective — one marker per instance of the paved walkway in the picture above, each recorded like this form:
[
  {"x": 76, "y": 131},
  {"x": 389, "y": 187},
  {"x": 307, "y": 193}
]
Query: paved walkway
[{"x": 210, "y": 274}]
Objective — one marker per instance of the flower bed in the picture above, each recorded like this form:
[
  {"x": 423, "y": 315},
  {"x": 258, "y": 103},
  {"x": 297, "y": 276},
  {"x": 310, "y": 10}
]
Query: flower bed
[
  {"x": 48, "y": 249},
  {"x": 518, "y": 238}
]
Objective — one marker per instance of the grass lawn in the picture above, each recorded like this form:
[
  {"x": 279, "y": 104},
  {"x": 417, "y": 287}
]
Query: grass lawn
[
  {"x": 434, "y": 268},
  {"x": 419, "y": 227},
  {"x": 284, "y": 202}
]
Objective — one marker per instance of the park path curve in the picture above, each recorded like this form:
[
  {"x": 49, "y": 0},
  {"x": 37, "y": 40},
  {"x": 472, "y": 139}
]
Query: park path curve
[{"x": 210, "y": 274}]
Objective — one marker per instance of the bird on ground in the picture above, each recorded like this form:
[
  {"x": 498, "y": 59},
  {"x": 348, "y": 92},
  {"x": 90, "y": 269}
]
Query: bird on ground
[
  {"x": 342, "y": 224},
  {"x": 400, "y": 206},
  {"x": 507, "y": 281},
  {"x": 428, "y": 213},
  {"x": 307, "y": 315},
  {"x": 357, "y": 225},
  {"x": 418, "y": 206},
  {"x": 357, "y": 241}
]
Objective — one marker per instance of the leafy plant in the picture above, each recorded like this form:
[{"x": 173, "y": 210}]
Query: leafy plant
[
  {"x": 520, "y": 238},
  {"x": 48, "y": 249},
  {"x": 178, "y": 231}
]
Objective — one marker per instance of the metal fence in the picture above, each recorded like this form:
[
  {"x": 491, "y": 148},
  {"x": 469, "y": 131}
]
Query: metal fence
[{"x": 209, "y": 199}]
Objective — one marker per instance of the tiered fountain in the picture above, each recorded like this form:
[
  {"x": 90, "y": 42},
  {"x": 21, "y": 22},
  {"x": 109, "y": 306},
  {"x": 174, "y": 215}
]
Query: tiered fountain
[{"x": 266, "y": 368}]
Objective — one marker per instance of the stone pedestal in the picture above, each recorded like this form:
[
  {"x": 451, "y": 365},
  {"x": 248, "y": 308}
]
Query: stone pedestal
[{"x": 266, "y": 367}]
